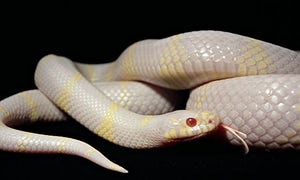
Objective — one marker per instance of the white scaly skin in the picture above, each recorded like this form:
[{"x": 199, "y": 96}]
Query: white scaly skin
[
  {"x": 190, "y": 59},
  {"x": 95, "y": 111},
  {"x": 81, "y": 100},
  {"x": 141, "y": 98},
  {"x": 32, "y": 106},
  {"x": 266, "y": 108},
  {"x": 183, "y": 61}
]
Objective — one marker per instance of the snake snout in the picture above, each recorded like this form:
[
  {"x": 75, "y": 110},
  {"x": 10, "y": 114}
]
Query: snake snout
[{"x": 208, "y": 122}]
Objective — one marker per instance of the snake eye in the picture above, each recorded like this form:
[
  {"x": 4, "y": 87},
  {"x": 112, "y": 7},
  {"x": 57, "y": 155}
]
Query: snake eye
[{"x": 191, "y": 122}]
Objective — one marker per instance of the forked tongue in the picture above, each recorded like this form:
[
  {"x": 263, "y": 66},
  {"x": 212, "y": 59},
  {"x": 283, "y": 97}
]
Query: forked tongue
[{"x": 240, "y": 135}]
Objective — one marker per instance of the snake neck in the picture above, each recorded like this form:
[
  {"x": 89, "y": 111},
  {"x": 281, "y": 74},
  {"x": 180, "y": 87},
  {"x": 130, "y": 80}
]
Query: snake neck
[{"x": 81, "y": 100}]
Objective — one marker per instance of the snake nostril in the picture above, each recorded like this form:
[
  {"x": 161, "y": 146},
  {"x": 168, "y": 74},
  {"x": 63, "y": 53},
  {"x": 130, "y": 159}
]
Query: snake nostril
[
  {"x": 210, "y": 121},
  {"x": 191, "y": 122}
]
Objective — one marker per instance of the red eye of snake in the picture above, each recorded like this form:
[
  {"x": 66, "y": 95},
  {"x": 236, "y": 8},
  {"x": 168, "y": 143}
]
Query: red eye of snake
[{"x": 191, "y": 122}]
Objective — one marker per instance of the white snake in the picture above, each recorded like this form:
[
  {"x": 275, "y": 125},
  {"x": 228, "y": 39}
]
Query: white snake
[{"x": 258, "y": 109}]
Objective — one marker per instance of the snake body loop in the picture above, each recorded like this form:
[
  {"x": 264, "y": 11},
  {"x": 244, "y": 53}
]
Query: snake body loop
[{"x": 250, "y": 86}]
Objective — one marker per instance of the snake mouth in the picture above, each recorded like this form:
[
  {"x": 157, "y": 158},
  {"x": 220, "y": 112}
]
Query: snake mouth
[
  {"x": 193, "y": 137},
  {"x": 189, "y": 138}
]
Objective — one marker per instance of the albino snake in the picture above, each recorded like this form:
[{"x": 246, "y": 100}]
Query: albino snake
[{"x": 262, "y": 108}]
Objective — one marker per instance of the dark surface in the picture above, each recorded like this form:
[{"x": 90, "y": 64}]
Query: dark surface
[{"x": 98, "y": 33}]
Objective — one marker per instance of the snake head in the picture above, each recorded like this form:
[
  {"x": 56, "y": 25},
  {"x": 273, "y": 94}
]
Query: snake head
[{"x": 186, "y": 125}]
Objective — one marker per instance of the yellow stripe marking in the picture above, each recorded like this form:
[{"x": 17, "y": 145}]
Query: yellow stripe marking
[
  {"x": 22, "y": 143},
  {"x": 109, "y": 75},
  {"x": 261, "y": 65},
  {"x": 189, "y": 131},
  {"x": 89, "y": 152},
  {"x": 145, "y": 120},
  {"x": 62, "y": 144},
  {"x": 247, "y": 55},
  {"x": 165, "y": 75},
  {"x": 178, "y": 75},
  {"x": 205, "y": 115},
  {"x": 63, "y": 99},
  {"x": 254, "y": 60},
  {"x": 271, "y": 68},
  {"x": 290, "y": 133},
  {"x": 298, "y": 107},
  {"x": 202, "y": 95},
  {"x": 264, "y": 54},
  {"x": 169, "y": 50},
  {"x": 251, "y": 62},
  {"x": 258, "y": 57},
  {"x": 256, "y": 50},
  {"x": 268, "y": 61},
  {"x": 33, "y": 115},
  {"x": 181, "y": 72},
  {"x": 240, "y": 59},
  {"x": 90, "y": 72},
  {"x": 252, "y": 70},
  {"x": 242, "y": 69},
  {"x": 105, "y": 128},
  {"x": 170, "y": 134},
  {"x": 165, "y": 62},
  {"x": 182, "y": 132},
  {"x": 123, "y": 85},
  {"x": 174, "y": 121},
  {"x": 171, "y": 59}
]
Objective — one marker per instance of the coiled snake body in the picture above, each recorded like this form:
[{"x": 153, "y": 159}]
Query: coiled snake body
[{"x": 261, "y": 108}]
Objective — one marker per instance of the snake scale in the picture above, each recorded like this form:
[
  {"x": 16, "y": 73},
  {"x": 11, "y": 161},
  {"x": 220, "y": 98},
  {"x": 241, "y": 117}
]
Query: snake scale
[{"x": 248, "y": 87}]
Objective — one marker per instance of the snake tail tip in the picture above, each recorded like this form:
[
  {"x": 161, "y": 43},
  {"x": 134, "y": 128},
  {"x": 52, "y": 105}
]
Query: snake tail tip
[
  {"x": 246, "y": 150},
  {"x": 118, "y": 168},
  {"x": 125, "y": 171}
]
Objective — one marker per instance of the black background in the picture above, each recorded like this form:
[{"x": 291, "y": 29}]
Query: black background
[{"x": 98, "y": 33}]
